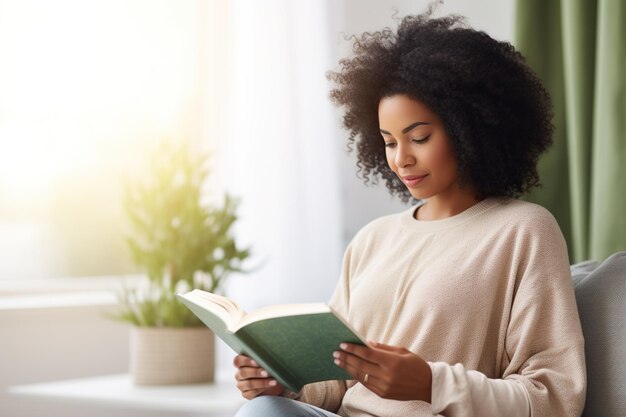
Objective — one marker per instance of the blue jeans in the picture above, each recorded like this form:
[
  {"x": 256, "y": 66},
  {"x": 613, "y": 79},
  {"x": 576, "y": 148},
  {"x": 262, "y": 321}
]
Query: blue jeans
[{"x": 273, "y": 406}]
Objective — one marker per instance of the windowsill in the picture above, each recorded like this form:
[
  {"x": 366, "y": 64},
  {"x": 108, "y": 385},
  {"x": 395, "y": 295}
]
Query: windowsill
[
  {"x": 76, "y": 299},
  {"x": 64, "y": 292},
  {"x": 118, "y": 390}
]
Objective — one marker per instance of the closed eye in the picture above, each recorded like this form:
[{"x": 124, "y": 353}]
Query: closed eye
[{"x": 422, "y": 140}]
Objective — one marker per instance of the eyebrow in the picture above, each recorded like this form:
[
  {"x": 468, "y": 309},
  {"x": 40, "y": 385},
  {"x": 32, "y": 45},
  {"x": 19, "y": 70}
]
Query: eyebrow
[{"x": 406, "y": 129}]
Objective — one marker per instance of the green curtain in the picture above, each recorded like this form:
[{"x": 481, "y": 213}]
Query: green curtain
[{"x": 578, "y": 48}]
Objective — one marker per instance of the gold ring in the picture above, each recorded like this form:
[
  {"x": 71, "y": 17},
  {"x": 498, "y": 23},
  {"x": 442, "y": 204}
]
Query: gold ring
[{"x": 367, "y": 376}]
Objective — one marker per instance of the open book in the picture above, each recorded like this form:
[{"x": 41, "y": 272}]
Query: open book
[{"x": 293, "y": 342}]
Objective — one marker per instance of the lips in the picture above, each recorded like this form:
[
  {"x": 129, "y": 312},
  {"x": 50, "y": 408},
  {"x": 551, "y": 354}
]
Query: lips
[{"x": 413, "y": 180}]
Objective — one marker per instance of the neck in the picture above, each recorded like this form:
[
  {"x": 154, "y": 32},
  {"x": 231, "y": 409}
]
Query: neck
[{"x": 438, "y": 207}]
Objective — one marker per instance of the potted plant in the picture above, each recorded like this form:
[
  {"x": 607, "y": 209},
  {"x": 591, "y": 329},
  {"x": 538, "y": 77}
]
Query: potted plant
[{"x": 181, "y": 242}]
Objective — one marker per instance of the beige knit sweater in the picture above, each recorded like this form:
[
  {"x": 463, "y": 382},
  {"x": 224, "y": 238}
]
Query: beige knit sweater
[{"x": 484, "y": 296}]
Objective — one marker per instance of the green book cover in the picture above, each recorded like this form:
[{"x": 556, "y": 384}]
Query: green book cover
[{"x": 293, "y": 342}]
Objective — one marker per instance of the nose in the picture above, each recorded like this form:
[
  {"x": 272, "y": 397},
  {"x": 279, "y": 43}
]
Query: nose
[{"x": 404, "y": 157}]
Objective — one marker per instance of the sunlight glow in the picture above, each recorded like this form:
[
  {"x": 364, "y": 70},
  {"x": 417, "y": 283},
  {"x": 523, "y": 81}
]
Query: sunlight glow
[
  {"x": 86, "y": 88},
  {"x": 77, "y": 75}
]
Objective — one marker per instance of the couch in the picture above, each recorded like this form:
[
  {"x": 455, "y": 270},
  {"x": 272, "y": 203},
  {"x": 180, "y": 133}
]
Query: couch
[{"x": 601, "y": 298}]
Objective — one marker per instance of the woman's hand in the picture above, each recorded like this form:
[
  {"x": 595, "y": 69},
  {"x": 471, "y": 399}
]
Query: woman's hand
[
  {"x": 252, "y": 380},
  {"x": 390, "y": 372}
]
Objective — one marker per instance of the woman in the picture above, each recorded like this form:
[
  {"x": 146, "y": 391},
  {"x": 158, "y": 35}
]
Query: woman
[{"x": 466, "y": 298}]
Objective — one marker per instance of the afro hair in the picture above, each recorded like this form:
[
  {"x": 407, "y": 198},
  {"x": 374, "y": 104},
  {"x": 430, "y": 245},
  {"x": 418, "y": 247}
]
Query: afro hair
[{"x": 495, "y": 110}]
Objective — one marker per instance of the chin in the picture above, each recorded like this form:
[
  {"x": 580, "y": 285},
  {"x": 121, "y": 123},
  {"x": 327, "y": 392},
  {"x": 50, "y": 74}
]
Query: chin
[{"x": 419, "y": 195}]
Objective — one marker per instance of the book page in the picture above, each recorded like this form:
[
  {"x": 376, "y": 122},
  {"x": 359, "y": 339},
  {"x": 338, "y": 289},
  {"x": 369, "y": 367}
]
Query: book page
[
  {"x": 226, "y": 309},
  {"x": 282, "y": 310}
]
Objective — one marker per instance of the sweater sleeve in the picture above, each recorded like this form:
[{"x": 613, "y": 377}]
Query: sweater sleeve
[
  {"x": 459, "y": 392},
  {"x": 544, "y": 345},
  {"x": 543, "y": 367},
  {"x": 326, "y": 394}
]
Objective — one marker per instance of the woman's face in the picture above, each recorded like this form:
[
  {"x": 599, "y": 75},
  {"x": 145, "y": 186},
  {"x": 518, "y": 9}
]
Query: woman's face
[{"x": 417, "y": 148}]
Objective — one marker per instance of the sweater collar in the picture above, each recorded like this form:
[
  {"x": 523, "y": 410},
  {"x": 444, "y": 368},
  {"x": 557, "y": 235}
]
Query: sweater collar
[{"x": 408, "y": 217}]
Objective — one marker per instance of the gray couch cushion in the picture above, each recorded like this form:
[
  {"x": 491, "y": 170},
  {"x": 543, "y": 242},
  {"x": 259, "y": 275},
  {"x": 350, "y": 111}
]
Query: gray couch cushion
[{"x": 601, "y": 298}]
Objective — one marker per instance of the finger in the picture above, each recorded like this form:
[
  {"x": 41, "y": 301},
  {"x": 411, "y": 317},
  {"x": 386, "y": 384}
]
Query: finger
[
  {"x": 250, "y": 394},
  {"x": 364, "y": 352},
  {"x": 272, "y": 390},
  {"x": 363, "y": 371},
  {"x": 247, "y": 372},
  {"x": 388, "y": 348},
  {"x": 262, "y": 384},
  {"x": 354, "y": 365},
  {"x": 243, "y": 360}
]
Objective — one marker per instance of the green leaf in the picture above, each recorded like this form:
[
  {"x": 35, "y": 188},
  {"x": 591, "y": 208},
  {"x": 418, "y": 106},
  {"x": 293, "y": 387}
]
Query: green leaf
[{"x": 173, "y": 235}]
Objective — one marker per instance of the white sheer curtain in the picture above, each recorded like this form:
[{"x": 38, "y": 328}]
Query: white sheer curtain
[{"x": 278, "y": 148}]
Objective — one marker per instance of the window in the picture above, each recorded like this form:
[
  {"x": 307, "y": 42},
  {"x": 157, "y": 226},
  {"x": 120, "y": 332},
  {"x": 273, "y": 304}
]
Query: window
[{"x": 86, "y": 88}]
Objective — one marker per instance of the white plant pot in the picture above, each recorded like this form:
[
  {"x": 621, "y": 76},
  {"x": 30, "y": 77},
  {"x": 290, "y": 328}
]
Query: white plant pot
[{"x": 168, "y": 355}]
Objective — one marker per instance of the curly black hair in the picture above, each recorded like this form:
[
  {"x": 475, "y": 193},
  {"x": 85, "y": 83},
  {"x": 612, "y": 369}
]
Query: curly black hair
[{"x": 495, "y": 110}]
